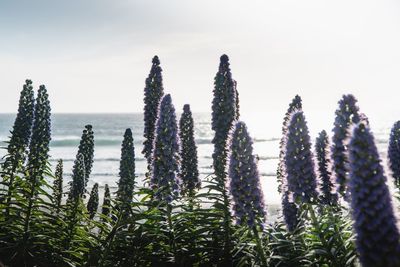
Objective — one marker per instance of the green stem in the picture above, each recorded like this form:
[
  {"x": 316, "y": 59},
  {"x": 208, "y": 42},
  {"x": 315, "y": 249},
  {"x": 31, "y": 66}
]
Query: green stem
[
  {"x": 109, "y": 240},
  {"x": 320, "y": 236},
  {"x": 260, "y": 248},
  {"x": 227, "y": 226},
  {"x": 171, "y": 230}
]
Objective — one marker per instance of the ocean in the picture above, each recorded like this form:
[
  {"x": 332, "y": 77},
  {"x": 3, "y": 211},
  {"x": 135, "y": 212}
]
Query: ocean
[{"x": 109, "y": 130}]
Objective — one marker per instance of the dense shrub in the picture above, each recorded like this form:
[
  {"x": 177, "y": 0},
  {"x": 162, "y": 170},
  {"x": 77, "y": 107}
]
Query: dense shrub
[{"x": 182, "y": 220}]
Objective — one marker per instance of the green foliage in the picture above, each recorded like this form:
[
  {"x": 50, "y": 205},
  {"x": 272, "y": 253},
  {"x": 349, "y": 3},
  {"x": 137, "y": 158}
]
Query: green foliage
[
  {"x": 29, "y": 231},
  {"x": 75, "y": 233},
  {"x": 139, "y": 229},
  {"x": 329, "y": 237}
]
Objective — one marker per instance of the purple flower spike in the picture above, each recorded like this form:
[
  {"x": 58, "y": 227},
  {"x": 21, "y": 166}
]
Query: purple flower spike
[
  {"x": 377, "y": 239},
  {"x": 153, "y": 93},
  {"x": 299, "y": 164},
  {"x": 327, "y": 186},
  {"x": 224, "y": 114},
  {"x": 244, "y": 178},
  {"x": 189, "y": 171},
  {"x": 346, "y": 115},
  {"x": 280, "y": 172},
  {"x": 289, "y": 212},
  {"x": 394, "y": 152},
  {"x": 165, "y": 159}
]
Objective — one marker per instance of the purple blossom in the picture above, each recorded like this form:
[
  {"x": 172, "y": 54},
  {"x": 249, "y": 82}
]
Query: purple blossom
[
  {"x": 327, "y": 187},
  {"x": 126, "y": 183},
  {"x": 289, "y": 212},
  {"x": 40, "y": 140},
  {"x": 248, "y": 200},
  {"x": 299, "y": 164},
  {"x": 280, "y": 173},
  {"x": 189, "y": 171},
  {"x": 394, "y": 152},
  {"x": 346, "y": 115},
  {"x": 224, "y": 113},
  {"x": 153, "y": 92},
  {"x": 377, "y": 239},
  {"x": 165, "y": 160}
]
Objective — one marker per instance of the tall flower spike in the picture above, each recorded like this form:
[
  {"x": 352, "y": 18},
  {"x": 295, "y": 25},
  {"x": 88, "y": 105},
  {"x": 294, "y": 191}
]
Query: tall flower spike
[
  {"x": 346, "y": 115},
  {"x": 77, "y": 185},
  {"x": 377, "y": 238},
  {"x": 19, "y": 140},
  {"x": 37, "y": 164},
  {"x": 126, "y": 172},
  {"x": 299, "y": 164},
  {"x": 153, "y": 92},
  {"x": 280, "y": 173},
  {"x": 41, "y": 136},
  {"x": 93, "y": 203},
  {"x": 237, "y": 101},
  {"x": 244, "y": 184},
  {"x": 106, "y": 207},
  {"x": 86, "y": 148},
  {"x": 289, "y": 212},
  {"x": 58, "y": 185},
  {"x": 189, "y": 171},
  {"x": 224, "y": 113},
  {"x": 394, "y": 152},
  {"x": 165, "y": 163},
  {"x": 327, "y": 188}
]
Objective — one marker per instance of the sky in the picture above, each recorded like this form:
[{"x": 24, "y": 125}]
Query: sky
[{"x": 94, "y": 55}]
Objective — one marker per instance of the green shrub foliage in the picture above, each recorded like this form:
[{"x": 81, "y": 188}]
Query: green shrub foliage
[{"x": 157, "y": 226}]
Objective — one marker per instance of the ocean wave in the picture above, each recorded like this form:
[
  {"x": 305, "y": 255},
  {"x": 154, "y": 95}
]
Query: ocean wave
[
  {"x": 75, "y": 142},
  {"x": 95, "y": 159},
  {"x": 202, "y": 141},
  {"x": 260, "y": 158},
  {"x": 273, "y": 139},
  {"x": 255, "y": 140},
  {"x": 116, "y": 175},
  {"x": 267, "y": 174},
  {"x": 267, "y": 157},
  {"x": 381, "y": 141}
]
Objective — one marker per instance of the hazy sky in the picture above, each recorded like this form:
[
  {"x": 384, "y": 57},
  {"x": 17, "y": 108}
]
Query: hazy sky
[{"x": 95, "y": 55}]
